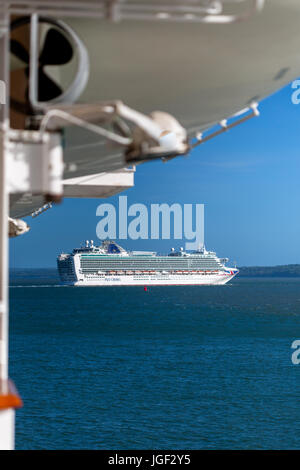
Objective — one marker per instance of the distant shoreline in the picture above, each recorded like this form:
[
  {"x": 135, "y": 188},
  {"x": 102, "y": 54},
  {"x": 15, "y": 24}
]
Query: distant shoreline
[{"x": 288, "y": 270}]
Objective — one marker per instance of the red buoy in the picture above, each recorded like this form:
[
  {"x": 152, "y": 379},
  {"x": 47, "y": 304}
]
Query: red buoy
[{"x": 145, "y": 288}]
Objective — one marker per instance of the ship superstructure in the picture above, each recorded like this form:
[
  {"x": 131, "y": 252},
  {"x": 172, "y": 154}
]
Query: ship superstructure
[{"x": 109, "y": 264}]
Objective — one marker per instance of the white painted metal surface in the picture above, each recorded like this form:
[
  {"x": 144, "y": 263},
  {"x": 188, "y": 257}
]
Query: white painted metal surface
[
  {"x": 7, "y": 416},
  {"x": 100, "y": 185},
  {"x": 7, "y": 429},
  {"x": 35, "y": 163}
]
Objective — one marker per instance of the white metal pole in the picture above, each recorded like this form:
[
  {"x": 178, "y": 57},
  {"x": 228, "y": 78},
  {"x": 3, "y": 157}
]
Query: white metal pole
[{"x": 6, "y": 415}]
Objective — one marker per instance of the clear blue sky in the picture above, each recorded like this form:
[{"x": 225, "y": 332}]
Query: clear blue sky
[{"x": 248, "y": 179}]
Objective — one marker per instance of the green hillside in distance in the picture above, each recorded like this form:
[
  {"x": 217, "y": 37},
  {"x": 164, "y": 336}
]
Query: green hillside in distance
[{"x": 288, "y": 270}]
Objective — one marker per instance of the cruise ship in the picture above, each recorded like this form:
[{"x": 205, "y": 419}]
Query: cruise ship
[{"x": 111, "y": 265}]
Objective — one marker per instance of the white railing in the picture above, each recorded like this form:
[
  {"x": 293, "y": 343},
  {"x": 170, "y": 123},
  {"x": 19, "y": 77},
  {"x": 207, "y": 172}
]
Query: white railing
[{"x": 199, "y": 11}]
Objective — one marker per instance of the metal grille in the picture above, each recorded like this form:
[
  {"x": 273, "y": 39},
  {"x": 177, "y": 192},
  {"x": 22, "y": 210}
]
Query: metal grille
[{"x": 95, "y": 263}]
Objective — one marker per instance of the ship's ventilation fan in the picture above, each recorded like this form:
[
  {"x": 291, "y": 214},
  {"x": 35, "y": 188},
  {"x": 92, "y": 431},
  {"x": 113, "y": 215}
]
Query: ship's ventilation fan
[
  {"x": 56, "y": 51},
  {"x": 48, "y": 66}
]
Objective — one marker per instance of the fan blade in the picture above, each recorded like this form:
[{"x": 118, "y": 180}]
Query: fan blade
[
  {"x": 19, "y": 51},
  {"x": 48, "y": 89},
  {"x": 57, "y": 50}
]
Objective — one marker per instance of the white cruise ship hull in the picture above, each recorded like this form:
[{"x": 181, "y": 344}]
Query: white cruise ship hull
[{"x": 147, "y": 280}]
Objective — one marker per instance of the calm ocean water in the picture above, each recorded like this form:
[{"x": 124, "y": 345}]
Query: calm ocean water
[{"x": 174, "y": 367}]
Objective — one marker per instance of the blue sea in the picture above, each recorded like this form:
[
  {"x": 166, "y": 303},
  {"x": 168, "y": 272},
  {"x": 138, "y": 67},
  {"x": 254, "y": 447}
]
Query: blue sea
[{"x": 170, "y": 368}]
